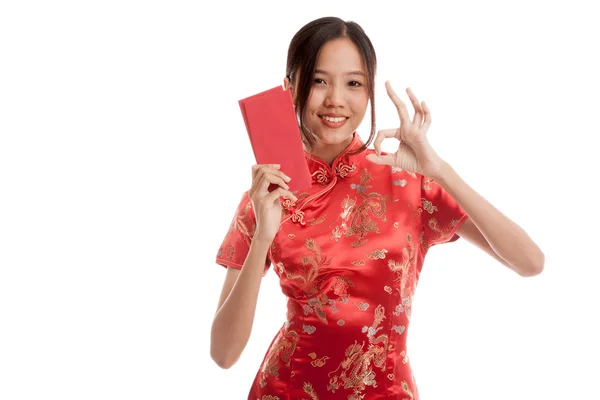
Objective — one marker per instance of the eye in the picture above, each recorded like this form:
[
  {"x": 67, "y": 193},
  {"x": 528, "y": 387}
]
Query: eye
[
  {"x": 316, "y": 80},
  {"x": 355, "y": 84}
]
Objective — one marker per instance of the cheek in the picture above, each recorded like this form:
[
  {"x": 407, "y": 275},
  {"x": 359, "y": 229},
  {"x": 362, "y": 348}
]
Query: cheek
[
  {"x": 315, "y": 100},
  {"x": 359, "y": 103}
]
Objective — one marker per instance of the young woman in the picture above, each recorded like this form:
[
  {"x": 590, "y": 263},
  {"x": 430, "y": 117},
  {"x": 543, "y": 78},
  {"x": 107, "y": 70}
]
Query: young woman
[{"x": 349, "y": 250}]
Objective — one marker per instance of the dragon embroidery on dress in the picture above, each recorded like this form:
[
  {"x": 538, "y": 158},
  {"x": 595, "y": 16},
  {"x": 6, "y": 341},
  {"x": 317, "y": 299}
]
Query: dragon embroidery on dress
[
  {"x": 357, "y": 367},
  {"x": 407, "y": 275},
  {"x": 282, "y": 350},
  {"x": 356, "y": 220}
]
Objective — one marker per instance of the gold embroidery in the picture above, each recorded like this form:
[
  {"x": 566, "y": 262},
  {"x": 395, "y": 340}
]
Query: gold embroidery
[
  {"x": 361, "y": 222},
  {"x": 320, "y": 362},
  {"x": 425, "y": 183},
  {"x": 268, "y": 397},
  {"x": 344, "y": 169},
  {"x": 441, "y": 233},
  {"x": 347, "y": 207},
  {"x": 415, "y": 213},
  {"x": 397, "y": 169},
  {"x": 307, "y": 278},
  {"x": 407, "y": 275},
  {"x": 357, "y": 368},
  {"x": 314, "y": 221},
  {"x": 377, "y": 254},
  {"x": 406, "y": 388},
  {"x": 404, "y": 356},
  {"x": 309, "y": 390},
  {"x": 288, "y": 203},
  {"x": 298, "y": 216},
  {"x": 428, "y": 206},
  {"x": 358, "y": 263},
  {"x": 282, "y": 350},
  {"x": 357, "y": 220},
  {"x": 321, "y": 176},
  {"x": 279, "y": 268}
]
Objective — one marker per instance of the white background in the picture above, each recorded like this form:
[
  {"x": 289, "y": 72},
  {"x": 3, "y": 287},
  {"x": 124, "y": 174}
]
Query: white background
[{"x": 123, "y": 156}]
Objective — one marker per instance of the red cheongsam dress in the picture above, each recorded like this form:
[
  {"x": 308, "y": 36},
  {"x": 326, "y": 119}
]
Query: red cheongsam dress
[{"x": 348, "y": 255}]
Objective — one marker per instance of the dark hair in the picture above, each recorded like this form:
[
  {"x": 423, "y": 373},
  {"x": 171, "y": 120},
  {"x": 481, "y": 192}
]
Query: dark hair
[{"x": 303, "y": 52}]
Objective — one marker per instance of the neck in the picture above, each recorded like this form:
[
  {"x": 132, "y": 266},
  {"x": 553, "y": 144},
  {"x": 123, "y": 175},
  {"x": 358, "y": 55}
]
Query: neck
[{"x": 328, "y": 152}]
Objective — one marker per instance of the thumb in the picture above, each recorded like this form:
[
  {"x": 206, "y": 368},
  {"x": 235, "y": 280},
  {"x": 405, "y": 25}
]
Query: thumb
[{"x": 382, "y": 160}]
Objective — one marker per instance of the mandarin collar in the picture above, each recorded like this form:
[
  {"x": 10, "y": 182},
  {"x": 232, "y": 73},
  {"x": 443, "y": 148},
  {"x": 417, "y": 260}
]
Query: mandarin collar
[{"x": 343, "y": 165}]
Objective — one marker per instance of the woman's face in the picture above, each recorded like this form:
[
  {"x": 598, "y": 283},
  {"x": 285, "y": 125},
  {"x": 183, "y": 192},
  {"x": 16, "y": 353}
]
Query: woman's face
[{"x": 339, "y": 94}]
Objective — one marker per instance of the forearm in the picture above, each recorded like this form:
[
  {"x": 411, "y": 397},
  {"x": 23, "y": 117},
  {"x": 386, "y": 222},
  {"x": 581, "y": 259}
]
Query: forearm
[
  {"x": 232, "y": 323},
  {"x": 504, "y": 236}
]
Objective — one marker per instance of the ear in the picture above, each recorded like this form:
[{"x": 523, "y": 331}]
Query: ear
[{"x": 286, "y": 83}]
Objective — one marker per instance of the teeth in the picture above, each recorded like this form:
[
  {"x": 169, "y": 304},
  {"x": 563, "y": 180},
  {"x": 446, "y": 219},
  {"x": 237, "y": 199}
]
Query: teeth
[{"x": 340, "y": 119}]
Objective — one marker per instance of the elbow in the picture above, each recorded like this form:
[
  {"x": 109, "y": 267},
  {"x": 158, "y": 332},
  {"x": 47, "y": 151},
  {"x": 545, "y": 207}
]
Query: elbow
[
  {"x": 222, "y": 352},
  {"x": 535, "y": 267},
  {"x": 221, "y": 360}
]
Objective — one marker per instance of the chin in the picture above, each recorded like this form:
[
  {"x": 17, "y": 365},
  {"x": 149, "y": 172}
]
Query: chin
[{"x": 333, "y": 136}]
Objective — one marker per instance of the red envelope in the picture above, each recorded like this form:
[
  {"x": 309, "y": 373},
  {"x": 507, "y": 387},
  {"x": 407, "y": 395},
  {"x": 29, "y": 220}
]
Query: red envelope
[{"x": 274, "y": 135}]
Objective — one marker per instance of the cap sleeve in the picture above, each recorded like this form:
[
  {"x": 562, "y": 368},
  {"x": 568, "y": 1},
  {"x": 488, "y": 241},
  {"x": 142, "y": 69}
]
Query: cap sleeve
[
  {"x": 236, "y": 244},
  {"x": 441, "y": 216}
]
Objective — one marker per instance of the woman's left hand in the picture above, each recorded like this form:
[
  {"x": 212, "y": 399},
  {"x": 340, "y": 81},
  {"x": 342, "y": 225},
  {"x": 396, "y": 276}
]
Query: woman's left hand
[{"x": 414, "y": 154}]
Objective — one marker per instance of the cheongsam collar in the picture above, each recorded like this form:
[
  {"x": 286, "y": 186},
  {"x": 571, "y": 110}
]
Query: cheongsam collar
[{"x": 343, "y": 166}]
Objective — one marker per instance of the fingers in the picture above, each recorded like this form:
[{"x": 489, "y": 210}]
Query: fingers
[
  {"x": 418, "y": 117},
  {"x": 381, "y": 135},
  {"x": 265, "y": 178},
  {"x": 265, "y": 175},
  {"x": 259, "y": 170},
  {"x": 427, "y": 115},
  {"x": 257, "y": 167},
  {"x": 275, "y": 194},
  {"x": 400, "y": 106}
]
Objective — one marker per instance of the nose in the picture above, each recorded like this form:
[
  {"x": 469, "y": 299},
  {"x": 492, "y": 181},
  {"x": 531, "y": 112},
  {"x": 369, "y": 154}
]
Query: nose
[{"x": 335, "y": 96}]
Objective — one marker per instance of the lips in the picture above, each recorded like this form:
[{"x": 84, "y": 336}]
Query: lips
[{"x": 332, "y": 124}]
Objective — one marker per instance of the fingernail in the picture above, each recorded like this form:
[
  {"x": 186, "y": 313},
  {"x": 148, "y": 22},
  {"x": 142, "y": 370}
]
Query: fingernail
[{"x": 287, "y": 178}]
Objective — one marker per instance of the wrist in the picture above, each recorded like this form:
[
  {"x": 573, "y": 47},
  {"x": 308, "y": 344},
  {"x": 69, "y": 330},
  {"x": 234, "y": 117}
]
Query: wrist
[{"x": 260, "y": 243}]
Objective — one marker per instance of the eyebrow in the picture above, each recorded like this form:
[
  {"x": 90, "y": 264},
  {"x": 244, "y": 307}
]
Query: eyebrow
[{"x": 320, "y": 71}]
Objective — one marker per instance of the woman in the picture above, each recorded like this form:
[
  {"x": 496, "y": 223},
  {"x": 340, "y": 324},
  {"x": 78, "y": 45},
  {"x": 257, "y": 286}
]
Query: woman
[{"x": 349, "y": 250}]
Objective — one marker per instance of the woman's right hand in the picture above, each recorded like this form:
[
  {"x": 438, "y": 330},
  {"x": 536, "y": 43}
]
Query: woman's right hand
[{"x": 267, "y": 206}]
